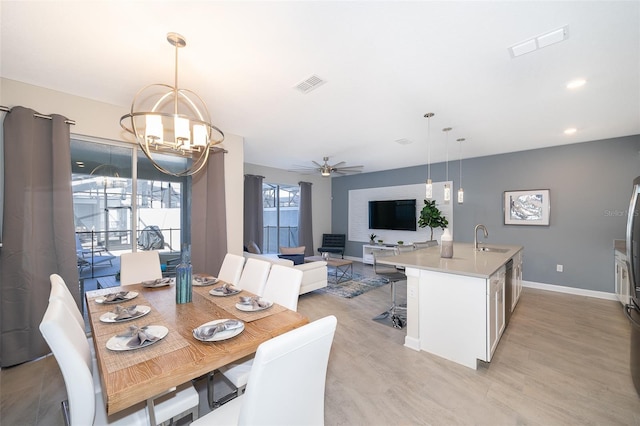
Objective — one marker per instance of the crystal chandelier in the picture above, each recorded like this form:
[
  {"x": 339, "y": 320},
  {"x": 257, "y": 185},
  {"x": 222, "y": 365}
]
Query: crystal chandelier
[{"x": 166, "y": 120}]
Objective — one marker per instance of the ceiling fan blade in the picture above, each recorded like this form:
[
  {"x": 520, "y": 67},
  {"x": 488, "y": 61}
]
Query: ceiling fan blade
[
  {"x": 307, "y": 171},
  {"x": 337, "y": 165},
  {"x": 317, "y": 164},
  {"x": 350, "y": 167}
]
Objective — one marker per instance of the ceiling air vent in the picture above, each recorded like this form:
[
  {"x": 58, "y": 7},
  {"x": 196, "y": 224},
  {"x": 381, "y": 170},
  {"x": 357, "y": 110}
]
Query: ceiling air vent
[{"x": 309, "y": 84}]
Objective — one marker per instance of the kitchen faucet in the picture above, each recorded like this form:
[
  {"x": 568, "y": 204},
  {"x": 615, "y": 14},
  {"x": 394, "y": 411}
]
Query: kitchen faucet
[{"x": 475, "y": 235}]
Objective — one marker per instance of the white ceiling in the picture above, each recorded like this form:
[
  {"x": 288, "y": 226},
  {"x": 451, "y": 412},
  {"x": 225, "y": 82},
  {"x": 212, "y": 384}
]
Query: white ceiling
[{"x": 386, "y": 64}]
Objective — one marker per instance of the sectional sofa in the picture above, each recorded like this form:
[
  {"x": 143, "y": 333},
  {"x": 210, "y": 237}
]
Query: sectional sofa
[{"x": 314, "y": 273}]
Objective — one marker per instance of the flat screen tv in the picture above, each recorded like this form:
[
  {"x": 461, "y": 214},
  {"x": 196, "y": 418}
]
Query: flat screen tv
[{"x": 399, "y": 215}]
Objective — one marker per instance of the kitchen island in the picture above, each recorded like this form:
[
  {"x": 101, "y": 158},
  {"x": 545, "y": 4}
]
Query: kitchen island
[{"x": 456, "y": 307}]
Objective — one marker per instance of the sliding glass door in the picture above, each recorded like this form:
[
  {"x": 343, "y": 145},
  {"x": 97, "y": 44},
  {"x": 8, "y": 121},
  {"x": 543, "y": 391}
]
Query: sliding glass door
[{"x": 281, "y": 204}]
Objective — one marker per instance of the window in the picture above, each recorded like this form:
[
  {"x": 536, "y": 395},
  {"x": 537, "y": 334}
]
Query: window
[
  {"x": 281, "y": 206},
  {"x": 109, "y": 218}
]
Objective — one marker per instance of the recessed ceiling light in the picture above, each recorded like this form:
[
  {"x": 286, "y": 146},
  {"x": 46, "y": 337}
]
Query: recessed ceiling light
[
  {"x": 574, "y": 84},
  {"x": 570, "y": 131},
  {"x": 404, "y": 141}
]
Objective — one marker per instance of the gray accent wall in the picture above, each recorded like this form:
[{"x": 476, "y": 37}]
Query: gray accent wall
[{"x": 590, "y": 188}]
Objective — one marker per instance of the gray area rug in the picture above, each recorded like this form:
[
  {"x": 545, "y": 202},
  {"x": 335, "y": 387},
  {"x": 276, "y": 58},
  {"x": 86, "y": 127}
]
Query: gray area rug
[{"x": 357, "y": 285}]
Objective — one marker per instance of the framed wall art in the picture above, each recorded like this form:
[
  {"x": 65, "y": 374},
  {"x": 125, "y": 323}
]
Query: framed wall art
[{"x": 527, "y": 207}]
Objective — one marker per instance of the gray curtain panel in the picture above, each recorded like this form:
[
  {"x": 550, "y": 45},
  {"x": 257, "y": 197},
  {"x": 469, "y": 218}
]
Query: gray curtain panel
[
  {"x": 39, "y": 234},
  {"x": 305, "y": 227},
  {"x": 209, "y": 216},
  {"x": 253, "y": 221}
]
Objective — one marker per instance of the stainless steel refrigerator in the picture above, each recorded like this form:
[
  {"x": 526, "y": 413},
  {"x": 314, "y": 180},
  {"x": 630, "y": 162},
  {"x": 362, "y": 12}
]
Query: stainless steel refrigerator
[{"x": 633, "y": 264}]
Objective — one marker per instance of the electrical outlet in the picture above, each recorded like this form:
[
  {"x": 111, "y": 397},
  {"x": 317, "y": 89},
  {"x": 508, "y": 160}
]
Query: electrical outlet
[
  {"x": 412, "y": 292},
  {"x": 559, "y": 268}
]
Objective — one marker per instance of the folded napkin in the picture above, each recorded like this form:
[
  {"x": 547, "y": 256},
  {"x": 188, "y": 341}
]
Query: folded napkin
[
  {"x": 227, "y": 288},
  {"x": 208, "y": 331},
  {"x": 124, "y": 313},
  {"x": 203, "y": 279},
  {"x": 155, "y": 282},
  {"x": 114, "y": 297},
  {"x": 139, "y": 336},
  {"x": 258, "y": 302}
]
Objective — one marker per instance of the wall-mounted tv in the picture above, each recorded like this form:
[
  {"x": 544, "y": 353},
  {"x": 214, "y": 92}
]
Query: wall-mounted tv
[{"x": 399, "y": 215}]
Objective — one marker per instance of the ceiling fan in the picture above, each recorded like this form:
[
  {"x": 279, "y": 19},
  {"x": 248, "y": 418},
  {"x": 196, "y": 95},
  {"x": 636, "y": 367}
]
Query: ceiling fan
[{"x": 326, "y": 169}]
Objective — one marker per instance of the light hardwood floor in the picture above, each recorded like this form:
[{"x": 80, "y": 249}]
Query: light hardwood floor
[{"x": 563, "y": 360}]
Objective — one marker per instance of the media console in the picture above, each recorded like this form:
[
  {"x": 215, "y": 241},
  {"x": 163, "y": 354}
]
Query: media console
[{"x": 368, "y": 249}]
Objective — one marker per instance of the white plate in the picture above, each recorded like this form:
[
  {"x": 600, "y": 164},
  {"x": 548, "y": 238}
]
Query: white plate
[
  {"x": 250, "y": 308},
  {"x": 157, "y": 283},
  {"x": 218, "y": 292},
  {"x": 120, "y": 343},
  {"x": 142, "y": 310},
  {"x": 222, "y": 335},
  {"x": 130, "y": 295},
  {"x": 205, "y": 280}
]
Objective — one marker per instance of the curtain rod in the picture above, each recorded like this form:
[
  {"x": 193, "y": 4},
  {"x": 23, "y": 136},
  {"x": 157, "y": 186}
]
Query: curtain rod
[{"x": 48, "y": 117}]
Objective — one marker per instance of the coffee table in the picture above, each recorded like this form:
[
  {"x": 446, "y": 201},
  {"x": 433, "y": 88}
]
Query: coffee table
[{"x": 343, "y": 267}]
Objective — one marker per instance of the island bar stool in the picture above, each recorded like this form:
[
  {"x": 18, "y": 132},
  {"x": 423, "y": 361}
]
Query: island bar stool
[{"x": 392, "y": 274}]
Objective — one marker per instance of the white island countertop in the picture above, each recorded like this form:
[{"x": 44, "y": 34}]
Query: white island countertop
[{"x": 465, "y": 261}]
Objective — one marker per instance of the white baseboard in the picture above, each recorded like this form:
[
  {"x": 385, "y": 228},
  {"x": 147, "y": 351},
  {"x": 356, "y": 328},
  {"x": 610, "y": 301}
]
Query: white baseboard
[{"x": 571, "y": 290}]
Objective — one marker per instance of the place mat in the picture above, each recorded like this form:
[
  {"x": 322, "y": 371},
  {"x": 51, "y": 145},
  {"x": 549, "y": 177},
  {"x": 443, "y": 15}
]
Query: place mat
[
  {"x": 228, "y": 304},
  {"x": 117, "y": 360}
]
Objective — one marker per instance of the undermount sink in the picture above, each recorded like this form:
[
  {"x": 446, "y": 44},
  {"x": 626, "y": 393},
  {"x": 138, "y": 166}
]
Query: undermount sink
[{"x": 493, "y": 249}]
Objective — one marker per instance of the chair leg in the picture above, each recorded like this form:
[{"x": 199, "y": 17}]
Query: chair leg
[
  {"x": 65, "y": 412},
  {"x": 213, "y": 403}
]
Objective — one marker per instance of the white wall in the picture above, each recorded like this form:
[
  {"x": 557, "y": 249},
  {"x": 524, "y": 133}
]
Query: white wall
[
  {"x": 101, "y": 120},
  {"x": 321, "y": 195},
  {"x": 359, "y": 212}
]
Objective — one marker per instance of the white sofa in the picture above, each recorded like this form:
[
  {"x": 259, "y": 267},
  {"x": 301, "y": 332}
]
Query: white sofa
[{"x": 314, "y": 273}]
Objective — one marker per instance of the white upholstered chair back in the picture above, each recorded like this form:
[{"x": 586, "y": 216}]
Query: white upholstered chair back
[
  {"x": 254, "y": 276},
  {"x": 287, "y": 382},
  {"x": 71, "y": 350},
  {"x": 139, "y": 266},
  {"x": 60, "y": 291},
  {"x": 231, "y": 268},
  {"x": 283, "y": 286}
]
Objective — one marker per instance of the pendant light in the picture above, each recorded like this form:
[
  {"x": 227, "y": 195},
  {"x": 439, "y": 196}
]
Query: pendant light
[
  {"x": 173, "y": 122},
  {"x": 460, "y": 190},
  {"x": 447, "y": 186},
  {"x": 429, "y": 185}
]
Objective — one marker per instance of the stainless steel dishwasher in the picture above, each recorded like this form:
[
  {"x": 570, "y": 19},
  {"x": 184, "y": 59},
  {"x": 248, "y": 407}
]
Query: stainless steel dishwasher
[{"x": 508, "y": 291}]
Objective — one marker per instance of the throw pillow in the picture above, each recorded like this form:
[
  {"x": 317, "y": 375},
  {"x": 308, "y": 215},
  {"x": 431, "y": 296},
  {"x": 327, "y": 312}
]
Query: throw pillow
[
  {"x": 253, "y": 247},
  {"x": 297, "y": 259},
  {"x": 292, "y": 250}
]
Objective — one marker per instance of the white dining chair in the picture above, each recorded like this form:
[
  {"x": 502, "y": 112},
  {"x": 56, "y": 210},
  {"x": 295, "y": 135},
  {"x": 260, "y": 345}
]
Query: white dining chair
[
  {"x": 287, "y": 382},
  {"x": 60, "y": 290},
  {"x": 85, "y": 405},
  {"x": 254, "y": 276},
  {"x": 231, "y": 268},
  {"x": 139, "y": 266},
  {"x": 283, "y": 288}
]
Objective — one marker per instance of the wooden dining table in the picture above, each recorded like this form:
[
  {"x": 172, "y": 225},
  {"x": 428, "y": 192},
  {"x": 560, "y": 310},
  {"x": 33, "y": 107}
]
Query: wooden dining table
[{"x": 132, "y": 376}]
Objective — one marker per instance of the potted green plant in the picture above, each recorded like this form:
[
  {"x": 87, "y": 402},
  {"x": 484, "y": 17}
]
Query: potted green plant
[
  {"x": 431, "y": 217},
  {"x": 380, "y": 242},
  {"x": 400, "y": 242},
  {"x": 372, "y": 239}
]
